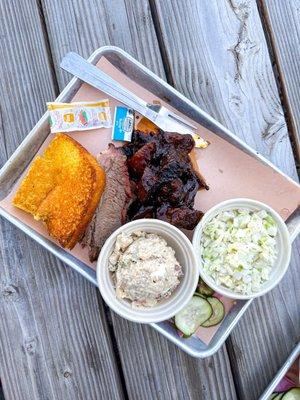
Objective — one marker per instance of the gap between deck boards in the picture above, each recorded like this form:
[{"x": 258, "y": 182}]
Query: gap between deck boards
[
  {"x": 48, "y": 47},
  {"x": 280, "y": 81},
  {"x": 1, "y": 392},
  {"x": 161, "y": 43}
]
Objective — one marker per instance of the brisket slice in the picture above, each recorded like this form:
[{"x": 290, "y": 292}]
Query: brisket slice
[{"x": 112, "y": 209}]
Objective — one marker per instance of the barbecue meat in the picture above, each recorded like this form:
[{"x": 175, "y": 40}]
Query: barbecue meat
[
  {"x": 182, "y": 217},
  {"x": 138, "y": 162},
  {"x": 165, "y": 183},
  {"x": 112, "y": 210},
  {"x": 147, "y": 186},
  {"x": 171, "y": 192}
]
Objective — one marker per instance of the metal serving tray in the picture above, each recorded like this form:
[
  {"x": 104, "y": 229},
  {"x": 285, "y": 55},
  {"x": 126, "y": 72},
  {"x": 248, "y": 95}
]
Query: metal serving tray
[
  {"x": 280, "y": 374},
  {"x": 13, "y": 168}
]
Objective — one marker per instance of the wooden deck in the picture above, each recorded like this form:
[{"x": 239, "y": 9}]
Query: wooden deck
[{"x": 237, "y": 59}]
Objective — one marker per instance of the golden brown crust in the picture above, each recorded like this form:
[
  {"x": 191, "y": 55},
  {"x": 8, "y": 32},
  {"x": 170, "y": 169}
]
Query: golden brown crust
[
  {"x": 95, "y": 195},
  {"x": 62, "y": 188}
]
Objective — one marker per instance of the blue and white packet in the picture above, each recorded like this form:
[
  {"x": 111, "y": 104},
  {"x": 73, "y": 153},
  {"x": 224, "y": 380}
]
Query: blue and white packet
[{"x": 123, "y": 124}]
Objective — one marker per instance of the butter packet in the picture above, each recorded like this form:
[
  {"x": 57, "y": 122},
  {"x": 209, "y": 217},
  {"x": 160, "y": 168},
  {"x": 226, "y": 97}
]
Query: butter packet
[
  {"x": 80, "y": 116},
  {"x": 123, "y": 124}
]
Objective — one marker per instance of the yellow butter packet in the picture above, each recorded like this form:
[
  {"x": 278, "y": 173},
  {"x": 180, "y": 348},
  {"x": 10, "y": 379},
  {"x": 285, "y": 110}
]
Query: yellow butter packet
[{"x": 79, "y": 116}]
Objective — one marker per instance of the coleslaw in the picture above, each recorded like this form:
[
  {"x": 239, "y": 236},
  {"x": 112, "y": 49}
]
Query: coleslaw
[{"x": 238, "y": 249}]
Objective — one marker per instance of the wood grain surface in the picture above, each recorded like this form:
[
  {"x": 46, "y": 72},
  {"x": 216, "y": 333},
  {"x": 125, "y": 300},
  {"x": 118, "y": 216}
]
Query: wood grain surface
[
  {"x": 57, "y": 338},
  {"x": 54, "y": 340},
  {"x": 218, "y": 57},
  {"x": 89, "y": 25},
  {"x": 282, "y": 22}
]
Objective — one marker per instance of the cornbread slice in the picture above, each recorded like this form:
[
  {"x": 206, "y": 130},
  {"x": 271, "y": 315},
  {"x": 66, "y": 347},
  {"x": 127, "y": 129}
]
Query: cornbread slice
[{"x": 62, "y": 188}]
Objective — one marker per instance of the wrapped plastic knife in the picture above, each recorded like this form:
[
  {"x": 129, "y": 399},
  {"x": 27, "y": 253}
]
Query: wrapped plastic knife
[{"x": 159, "y": 115}]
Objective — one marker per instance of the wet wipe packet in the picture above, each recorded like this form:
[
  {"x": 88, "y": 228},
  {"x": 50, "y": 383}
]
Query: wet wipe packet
[{"x": 80, "y": 116}]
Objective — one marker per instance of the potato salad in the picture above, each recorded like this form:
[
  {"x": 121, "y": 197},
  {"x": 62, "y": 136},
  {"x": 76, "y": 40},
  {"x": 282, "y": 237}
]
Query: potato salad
[{"x": 145, "y": 269}]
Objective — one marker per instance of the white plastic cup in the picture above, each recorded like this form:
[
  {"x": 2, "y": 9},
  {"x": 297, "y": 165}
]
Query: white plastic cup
[
  {"x": 283, "y": 247},
  {"x": 166, "y": 308}
]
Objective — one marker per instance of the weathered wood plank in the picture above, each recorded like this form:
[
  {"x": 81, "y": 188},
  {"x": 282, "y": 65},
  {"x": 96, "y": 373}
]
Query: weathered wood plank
[
  {"x": 152, "y": 367},
  {"x": 53, "y": 331},
  {"x": 218, "y": 57},
  {"x": 89, "y": 25},
  {"x": 282, "y": 22},
  {"x": 157, "y": 369}
]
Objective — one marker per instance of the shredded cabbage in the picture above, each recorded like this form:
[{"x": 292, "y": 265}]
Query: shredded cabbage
[{"x": 239, "y": 249}]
